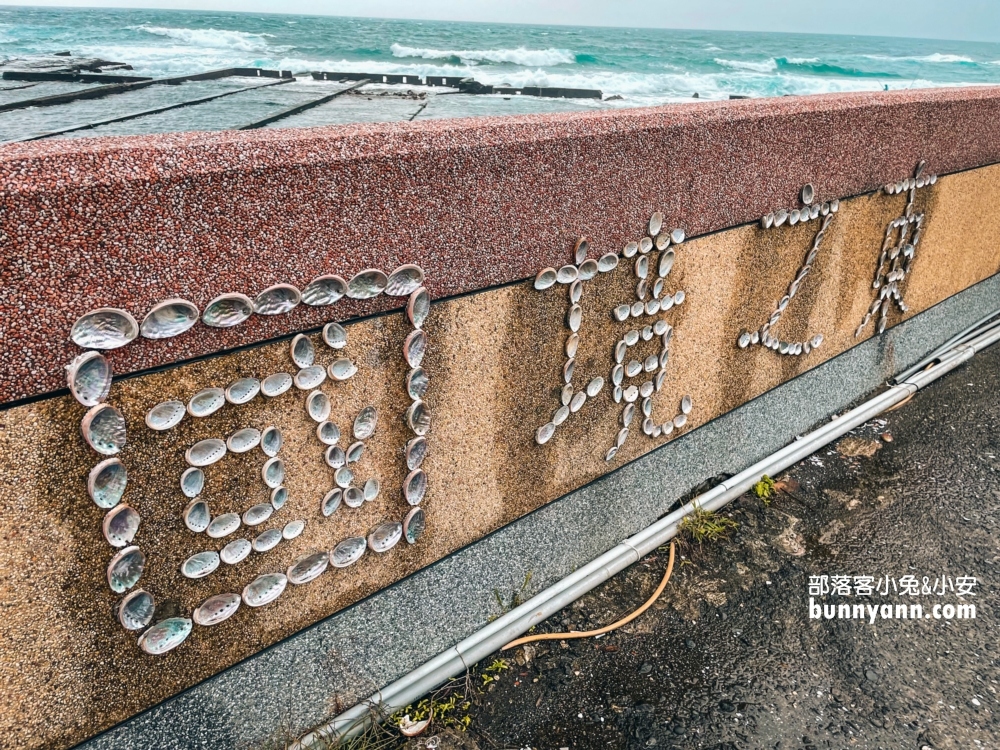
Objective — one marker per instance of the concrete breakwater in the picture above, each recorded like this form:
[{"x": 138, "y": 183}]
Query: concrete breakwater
[{"x": 528, "y": 335}]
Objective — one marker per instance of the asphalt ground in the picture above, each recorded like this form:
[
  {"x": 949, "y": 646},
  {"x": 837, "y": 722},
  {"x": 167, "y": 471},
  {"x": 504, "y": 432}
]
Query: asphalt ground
[{"x": 729, "y": 657}]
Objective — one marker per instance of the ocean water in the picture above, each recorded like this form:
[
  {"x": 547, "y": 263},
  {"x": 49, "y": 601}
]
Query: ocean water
[
  {"x": 632, "y": 67},
  {"x": 642, "y": 66}
]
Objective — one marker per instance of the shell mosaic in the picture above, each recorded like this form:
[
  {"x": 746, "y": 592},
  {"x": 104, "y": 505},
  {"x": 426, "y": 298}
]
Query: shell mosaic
[
  {"x": 214, "y": 538},
  {"x": 656, "y": 253},
  {"x": 895, "y": 261},
  {"x": 823, "y": 214}
]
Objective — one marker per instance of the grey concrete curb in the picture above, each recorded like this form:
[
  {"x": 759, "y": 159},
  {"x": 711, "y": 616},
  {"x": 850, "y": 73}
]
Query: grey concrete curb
[{"x": 305, "y": 680}]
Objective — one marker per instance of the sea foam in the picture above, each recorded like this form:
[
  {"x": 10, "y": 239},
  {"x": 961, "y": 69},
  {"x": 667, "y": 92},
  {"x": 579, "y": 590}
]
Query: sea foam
[
  {"x": 518, "y": 56},
  {"x": 211, "y": 38}
]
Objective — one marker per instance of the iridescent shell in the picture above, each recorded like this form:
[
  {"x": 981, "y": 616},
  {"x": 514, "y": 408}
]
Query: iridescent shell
[
  {"x": 348, "y": 551},
  {"x": 404, "y": 280},
  {"x": 331, "y": 502},
  {"x": 236, "y": 551},
  {"x": 418, "y": 307},
  {"x": 264, "y": 589},
  {"x": 165, "y": 635},
  {"x": 267, "y": 540},
  {"x": 243, "y": 390},
  {"x": 416, "y": 449},
  {"x": 309, "y": 377},
  {"x": 120, "y": 526},
  {"x": 308, "y": 568},
  {"x": 342, "y": 369},
  {"x": 385, "y": 536},
  {"x": 270, "y": 441},
  {"x": 355, "y": 451},
  {"x": 227, "y": 310},
  {"x": 328, "y": 433},
  {"x": 165, "y": 415},
  {"x": 206, "y": 402},
  {"x": 335, "y": 456},
  {"x": 273, "y": 472},
  {"x": 365, "y": 422},
  {"x": 89, "y": 378},
  {"x": 335, "y": 335},
  {"x": 275, "y": 385},
  {"x": 106, "y": 483},
  {"x": 293, "y": 529},
  {"x": 545, "y": 278},
  {"x": 205, "y": 452},
  {"x": 655, "y": 224},
  {"x": 354, "y": 497},
  {"x": 607, "y": 262},
  {"x": 192, "y": 482},
  {"x": 416, "y": 383},
  {"x": 666, "y": 263},
  {"x": 279, "y": 496},
  {"x": 418, "y": 418},
  {"x": 414, "y": 348},
  {"x": 367, "y": 284},
  {"x": 223, "y": 525},
  {"x": 324, "y": 290},
  {"x": 371, "y": 489},
  {"x": 197, "y": 516},
  {"x": 257, "y": 514},
  {"x": 318, "y": 406},
  {"x": 104, "y": 328},
  {"x": 677, "y": 236},
  {"x": 588, "y": 269},
  {"x": 567, "y": 274},
  {"x": 302, "y": 350},
  {"x": 413, "y": 525},
  {"x": 276, "y": 300},
  {"x": 103, "y": 428},
  {"x": 169, "y": 318},
  {"x": 125, "y": 569},
  {"x": 200, "y": 564},
  {"x": 136, "y": 610},
  {"x": 580, "y": 250},
  {"x": 243, "y": 440},
  {"x": 343, "y": 477},
  {"x": 415, "y": 486},
  {"x": 216, "y": 608}
]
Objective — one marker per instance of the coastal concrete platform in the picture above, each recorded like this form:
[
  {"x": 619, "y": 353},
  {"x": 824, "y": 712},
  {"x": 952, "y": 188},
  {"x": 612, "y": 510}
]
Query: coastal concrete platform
[{"x": 299, "y": 683}]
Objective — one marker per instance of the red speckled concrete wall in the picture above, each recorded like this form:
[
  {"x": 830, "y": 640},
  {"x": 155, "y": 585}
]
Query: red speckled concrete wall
[{"x": 476, "y": 202}]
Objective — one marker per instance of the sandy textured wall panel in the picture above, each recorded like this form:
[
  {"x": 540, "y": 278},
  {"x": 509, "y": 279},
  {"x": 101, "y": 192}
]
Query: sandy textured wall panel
[{"x": 495, "y": 362}]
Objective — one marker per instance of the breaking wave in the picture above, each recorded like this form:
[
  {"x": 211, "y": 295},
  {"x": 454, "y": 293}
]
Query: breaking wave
[
  {"x": 518, "y": 56},
  {"x": 806, "y": 65},
  {"x": 211, "y": 38}
]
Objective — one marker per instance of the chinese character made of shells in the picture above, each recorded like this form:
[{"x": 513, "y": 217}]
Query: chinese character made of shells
[
  {"x": 104, "y": 430},
  {"x": 811, "y": 210},
  {"x": 652, "y": 258}
]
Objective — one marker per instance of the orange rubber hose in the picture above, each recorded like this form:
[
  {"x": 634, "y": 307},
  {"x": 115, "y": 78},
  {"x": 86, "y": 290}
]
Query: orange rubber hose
[{"x": 607, "y": 628}]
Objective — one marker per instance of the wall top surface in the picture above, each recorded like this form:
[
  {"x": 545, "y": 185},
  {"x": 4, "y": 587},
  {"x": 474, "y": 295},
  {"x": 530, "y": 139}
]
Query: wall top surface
[{"x": 479, "y": 202}]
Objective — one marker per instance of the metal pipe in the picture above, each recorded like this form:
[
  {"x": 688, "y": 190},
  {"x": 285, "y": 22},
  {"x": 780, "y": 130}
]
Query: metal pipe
[
  {"x": 958, "y": 338},
  {"x": 410, "y": 687}
]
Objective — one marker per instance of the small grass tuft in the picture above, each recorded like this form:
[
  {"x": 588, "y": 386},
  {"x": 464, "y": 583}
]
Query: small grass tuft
[
  {"x": 706, "y": 526},
  {"x": 765, "y": 489}
]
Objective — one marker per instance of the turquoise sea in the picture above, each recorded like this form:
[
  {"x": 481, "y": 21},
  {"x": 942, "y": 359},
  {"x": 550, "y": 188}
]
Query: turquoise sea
[{"x": 645, "y": 66}]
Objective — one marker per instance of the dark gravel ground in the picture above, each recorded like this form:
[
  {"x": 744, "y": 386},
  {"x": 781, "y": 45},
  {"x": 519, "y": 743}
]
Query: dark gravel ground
[{"x": 729, "y": 658}]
